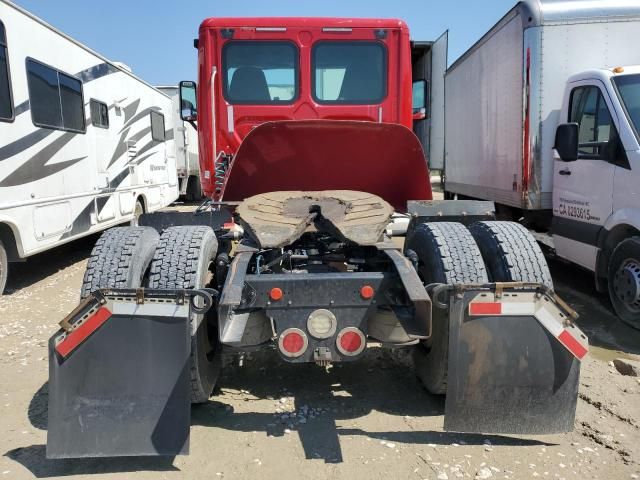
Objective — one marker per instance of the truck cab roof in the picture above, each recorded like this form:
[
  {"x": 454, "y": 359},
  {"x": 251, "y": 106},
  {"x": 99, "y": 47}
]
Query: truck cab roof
[{"x": 311, "y": 22}]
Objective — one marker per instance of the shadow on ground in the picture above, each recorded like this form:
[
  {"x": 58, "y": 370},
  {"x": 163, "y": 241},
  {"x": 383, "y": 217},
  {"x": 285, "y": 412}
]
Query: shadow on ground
[
  {"x": 34, "y": 459},
  {"x": 381, "y": 381},
  {"x": 43, "y": 265}
]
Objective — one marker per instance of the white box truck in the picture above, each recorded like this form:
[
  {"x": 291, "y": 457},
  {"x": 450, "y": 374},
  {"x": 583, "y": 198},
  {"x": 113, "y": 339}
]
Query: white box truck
[
  {"x": 543, "y": 118},
  {"x": 84, "y": 143}
]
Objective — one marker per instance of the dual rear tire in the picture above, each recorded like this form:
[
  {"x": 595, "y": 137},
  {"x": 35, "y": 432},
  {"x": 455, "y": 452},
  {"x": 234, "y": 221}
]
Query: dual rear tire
[
  {"x": 133, "y": 257},
  {"x": 448, "y": 252}
]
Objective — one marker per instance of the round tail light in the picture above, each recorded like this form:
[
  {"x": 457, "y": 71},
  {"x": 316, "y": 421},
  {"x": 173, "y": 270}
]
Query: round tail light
[
  {"x": 367, "y": 292},
  {"x": 293, "y": 342},
  {"x": 350, "y": 341}
]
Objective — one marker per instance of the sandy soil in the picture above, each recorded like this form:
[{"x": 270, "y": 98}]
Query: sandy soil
[{"x": 370, "y": 419}]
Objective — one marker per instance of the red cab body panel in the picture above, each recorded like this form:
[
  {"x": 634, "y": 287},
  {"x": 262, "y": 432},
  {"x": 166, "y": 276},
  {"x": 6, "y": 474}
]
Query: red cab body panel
[{"x": 223, "y": 124}]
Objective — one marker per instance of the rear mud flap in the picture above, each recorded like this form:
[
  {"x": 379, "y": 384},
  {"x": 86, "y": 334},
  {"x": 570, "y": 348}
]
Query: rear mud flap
[
  {"x": 514, "y": 364},
  {"x": 119, "y": 379}
]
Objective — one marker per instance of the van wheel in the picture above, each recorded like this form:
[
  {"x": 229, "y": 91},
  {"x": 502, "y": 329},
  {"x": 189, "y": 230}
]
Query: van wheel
[
  {"x": 182, "y": 260},
  {"x": 137, "y": 212},
  {"x": 624, "y": 281},
  {"x": 4, "y": 267},
  {"x": 446, "y": 253},
  {"x": 120, "y": 259},
  {"x": 511, "y": 253}
]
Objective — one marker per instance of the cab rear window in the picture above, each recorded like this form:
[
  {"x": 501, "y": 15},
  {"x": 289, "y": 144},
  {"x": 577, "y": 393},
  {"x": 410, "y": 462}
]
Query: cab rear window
[
  {"x": 260, "y": 73},
  {"x": 349, "y": 72}
]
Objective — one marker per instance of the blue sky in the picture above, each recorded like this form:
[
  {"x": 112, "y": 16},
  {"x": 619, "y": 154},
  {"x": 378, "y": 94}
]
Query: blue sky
[{"x": 155, "y": 38}]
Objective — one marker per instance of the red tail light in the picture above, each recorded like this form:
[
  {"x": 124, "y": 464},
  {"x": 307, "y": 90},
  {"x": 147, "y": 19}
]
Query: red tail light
[
  {"x": 367, "y": 292},
  {"x": 351, "y": 341},
  {"x": 293, "y": 342}
]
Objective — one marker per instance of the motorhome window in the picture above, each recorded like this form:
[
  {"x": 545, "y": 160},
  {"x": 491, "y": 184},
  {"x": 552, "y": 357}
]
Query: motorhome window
[
  {"x": 99, "y": 114},
  {"x": 157, "y": 127},
  {"x": 260, "y": 73},
  {"x": 71, "y": 101},
  {"x": 628, "y": 87},
  {"x": 6, "y": 103},
  {"x": 349, "y": 72},
  {"x": 55, "y": 98},
  {"x": 589, "y": 110}
]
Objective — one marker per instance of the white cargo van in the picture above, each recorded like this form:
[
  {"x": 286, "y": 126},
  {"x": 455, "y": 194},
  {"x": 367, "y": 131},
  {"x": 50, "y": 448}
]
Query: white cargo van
[{"x": 556, "y": 73}]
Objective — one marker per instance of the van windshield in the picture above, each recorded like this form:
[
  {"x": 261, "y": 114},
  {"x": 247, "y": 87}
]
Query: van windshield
[{"x": 629, "y": 90}]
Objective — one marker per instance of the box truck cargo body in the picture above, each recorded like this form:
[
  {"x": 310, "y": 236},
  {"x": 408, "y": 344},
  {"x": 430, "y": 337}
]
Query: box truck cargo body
[
  {"x": 503, "y": 96},
  {"x": 542, "y": 118}
]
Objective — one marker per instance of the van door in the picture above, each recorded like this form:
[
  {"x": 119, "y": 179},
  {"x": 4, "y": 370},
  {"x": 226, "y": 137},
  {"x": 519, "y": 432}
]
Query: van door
[
  {"x": 429, "y": 63},
  {"x": 436, "y": 104},
  {"x": 583, "y": 189}
]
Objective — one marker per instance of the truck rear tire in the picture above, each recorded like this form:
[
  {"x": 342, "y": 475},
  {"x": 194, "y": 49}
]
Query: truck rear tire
[
  {"x": 510, "y": 253},
  {"x": 624, "y": 281},
  {"x": 182, "y": 260},
  {"x": 446, "y": 253},
  {"x": 120, "y": 259},
  {"x": 4, "y": 267}
]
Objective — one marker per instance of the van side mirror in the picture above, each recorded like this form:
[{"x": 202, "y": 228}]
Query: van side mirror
[
  {"x": 419, "y": 99},
  {"x": 188, "y": 101},
  {"x": 567, "y": 142}
]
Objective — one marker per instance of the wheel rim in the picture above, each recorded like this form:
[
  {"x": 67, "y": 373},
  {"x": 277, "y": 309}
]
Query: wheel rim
[{"x": 626, "y": 284}]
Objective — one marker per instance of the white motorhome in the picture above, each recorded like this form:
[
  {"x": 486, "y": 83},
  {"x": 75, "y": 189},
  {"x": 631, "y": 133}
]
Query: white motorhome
[
  {"x": 84, "y": 144},
  {"x": 543, "y": 118},
  {"x": 186, "y": 149}
]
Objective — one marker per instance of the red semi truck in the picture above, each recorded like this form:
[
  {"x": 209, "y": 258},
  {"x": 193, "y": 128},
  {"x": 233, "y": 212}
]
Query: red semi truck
[{"x": 305, "y": 133}]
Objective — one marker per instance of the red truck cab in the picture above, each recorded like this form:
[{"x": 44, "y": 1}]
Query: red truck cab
[{"x": 257, "y": 70}]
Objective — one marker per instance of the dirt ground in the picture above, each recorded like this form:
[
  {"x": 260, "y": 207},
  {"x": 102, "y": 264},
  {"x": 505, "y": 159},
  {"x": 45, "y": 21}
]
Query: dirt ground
[{"x": 369, "y": 419}]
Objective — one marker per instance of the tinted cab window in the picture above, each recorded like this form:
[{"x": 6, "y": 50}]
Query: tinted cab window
[
  {"x": 260, "y": 72},
  {"x": 349, "y": 72}
]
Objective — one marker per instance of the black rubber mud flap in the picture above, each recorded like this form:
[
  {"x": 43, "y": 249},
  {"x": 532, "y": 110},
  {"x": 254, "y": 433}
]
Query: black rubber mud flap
[
  {"x": 511, "y": 366},
  {"x": 119, "y": 381}
]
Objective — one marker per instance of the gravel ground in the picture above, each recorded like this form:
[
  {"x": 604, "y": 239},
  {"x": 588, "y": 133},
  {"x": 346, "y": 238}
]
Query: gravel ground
[{"x": 369, "y": 419}]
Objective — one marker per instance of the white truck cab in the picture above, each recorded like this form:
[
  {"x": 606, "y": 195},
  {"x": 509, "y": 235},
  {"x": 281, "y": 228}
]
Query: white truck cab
[{"x": 596, "y": 182}]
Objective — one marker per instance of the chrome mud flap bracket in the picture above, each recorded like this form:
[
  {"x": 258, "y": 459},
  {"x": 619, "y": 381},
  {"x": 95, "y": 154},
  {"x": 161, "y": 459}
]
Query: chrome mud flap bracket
[
  {"x": 514, "y": 361},
  {"x": 119, "y": 375}
]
